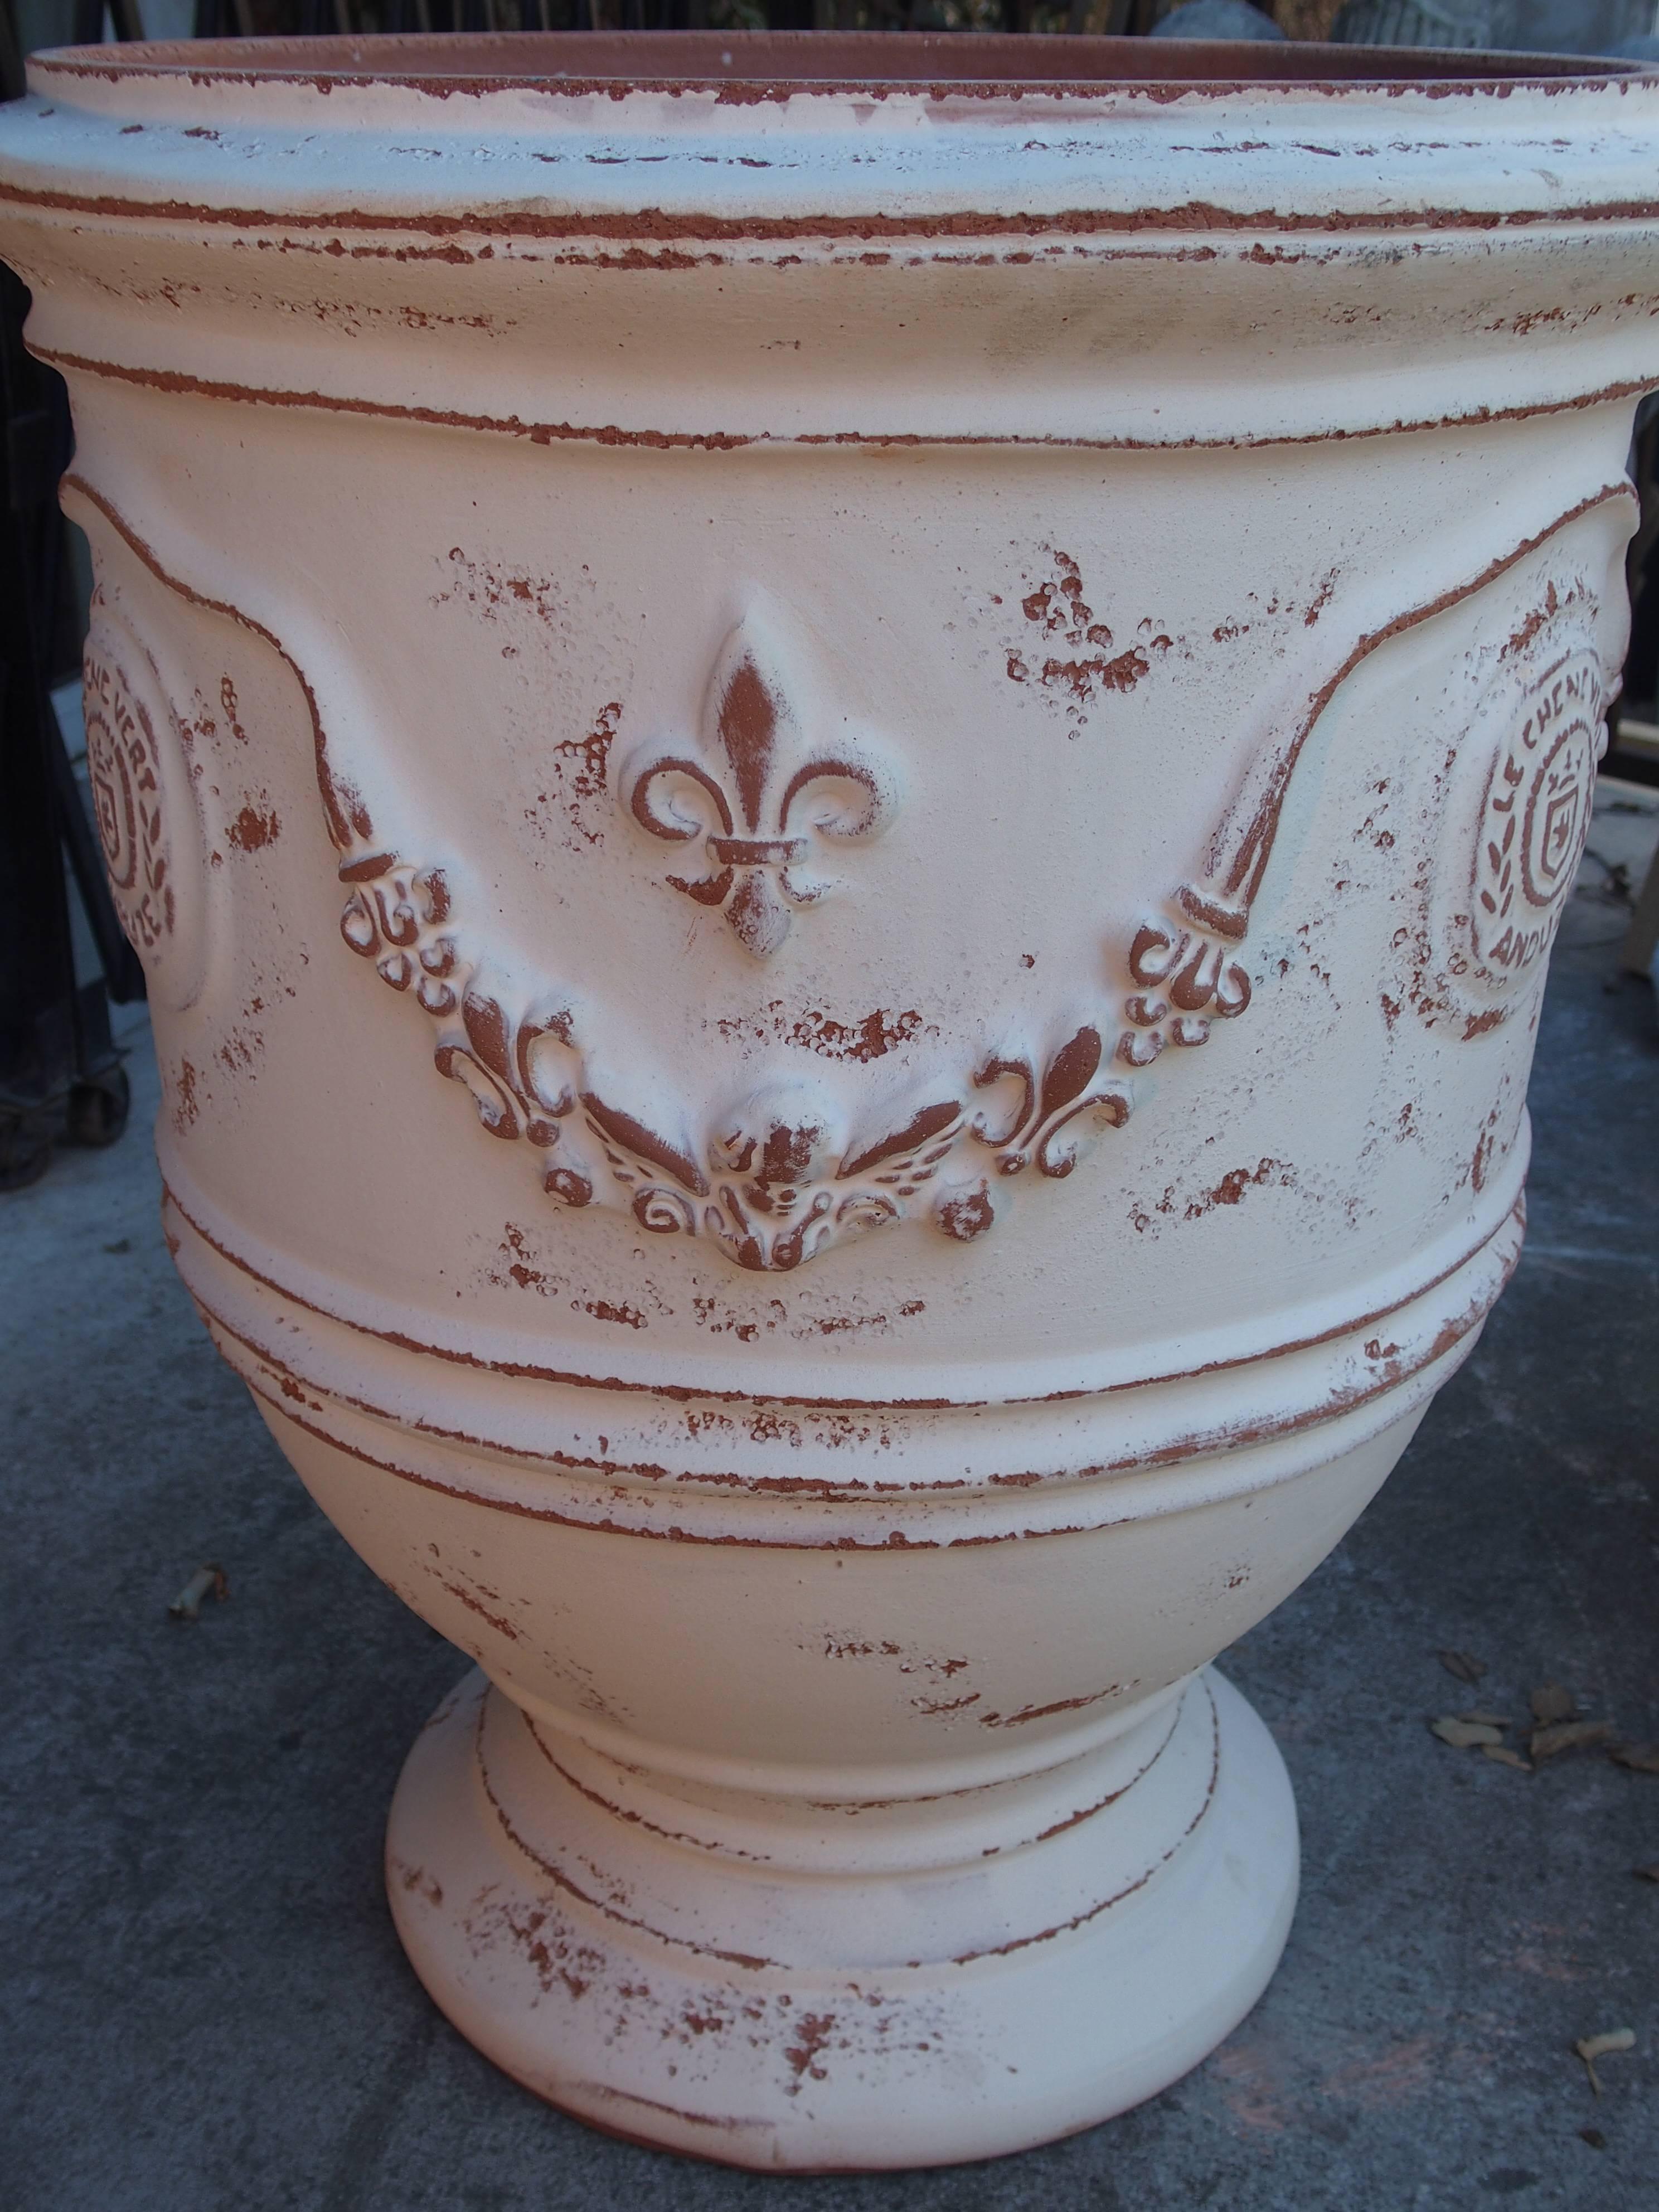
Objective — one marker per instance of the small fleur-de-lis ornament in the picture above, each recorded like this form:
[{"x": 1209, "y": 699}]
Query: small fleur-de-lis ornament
[{"x": 757, "y": 799}]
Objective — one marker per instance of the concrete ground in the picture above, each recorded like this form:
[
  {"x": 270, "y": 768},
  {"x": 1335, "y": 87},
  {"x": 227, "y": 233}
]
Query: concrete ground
[{"x": 203, "y": 2005}]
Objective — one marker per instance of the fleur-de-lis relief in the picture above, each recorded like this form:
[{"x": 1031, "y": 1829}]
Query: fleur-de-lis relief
[
  {"x": 1071, "y": 1087},
  {"x": 757, "y": 800}
]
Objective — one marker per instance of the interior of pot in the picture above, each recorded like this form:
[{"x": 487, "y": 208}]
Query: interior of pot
[{"x": 852, "y": 60}]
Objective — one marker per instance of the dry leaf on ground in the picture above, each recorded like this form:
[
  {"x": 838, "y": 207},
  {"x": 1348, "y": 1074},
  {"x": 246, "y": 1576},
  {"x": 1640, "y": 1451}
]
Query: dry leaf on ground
[
  {"x": 1464, "y": 1664},
  {"x": 1505, "y": 1757},
  {"x": 1568, "y": 1735},
  {"x": 207, "y": 1581},
  {"x": 1640, "y": 1758},
  {"x": 1461, "y": 1734},
  {"x": 1550, "y": 1702},
  {"x": 1647, "y": 1873},
  {"x": 1592, "y": 2047}
]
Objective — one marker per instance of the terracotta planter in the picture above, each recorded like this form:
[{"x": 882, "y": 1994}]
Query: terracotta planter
[{"x": 845, "y": 800}]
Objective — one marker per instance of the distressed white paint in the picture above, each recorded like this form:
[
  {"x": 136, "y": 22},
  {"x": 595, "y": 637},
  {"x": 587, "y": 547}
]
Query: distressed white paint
[{"x": 1150, "y": 586}]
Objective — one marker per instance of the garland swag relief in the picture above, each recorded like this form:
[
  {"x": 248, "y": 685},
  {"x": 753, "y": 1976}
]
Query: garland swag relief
[
  {"x": 782, "y": 1172},
  {"x": 778, "y": 1177}
]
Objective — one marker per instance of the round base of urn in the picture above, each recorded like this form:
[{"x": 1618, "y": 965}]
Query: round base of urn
[{"x": 702, "y": 1971}]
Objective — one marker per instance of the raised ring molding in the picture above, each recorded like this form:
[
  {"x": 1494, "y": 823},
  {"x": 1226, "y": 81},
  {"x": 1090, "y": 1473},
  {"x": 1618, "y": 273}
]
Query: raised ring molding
[
  {"x": 174, "y": 271},
  {"x": 939, "y": 1454},
  {"x": 202, "y": 1227},
  {"x": 1007, "y": 1810},
  {"x": 681, "y": 1513},
  {"x": 508, "y": 1738},
  {"x": 174, "y": 382}
]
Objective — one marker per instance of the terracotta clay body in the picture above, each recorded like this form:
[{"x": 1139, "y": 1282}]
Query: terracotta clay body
[{"x": 845, "y": 800}]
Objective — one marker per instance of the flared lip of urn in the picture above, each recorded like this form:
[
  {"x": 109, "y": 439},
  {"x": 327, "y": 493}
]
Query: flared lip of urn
[
  {"x": 775, "y": 136},
  {"x": 749, "y": 67}
]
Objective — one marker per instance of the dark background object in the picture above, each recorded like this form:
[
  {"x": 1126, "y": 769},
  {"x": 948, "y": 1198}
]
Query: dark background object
[
  {"x": 1216, "y": 19},
  {"x": 60, "y": 1073},
  {"x": 1536, "y": 27}
]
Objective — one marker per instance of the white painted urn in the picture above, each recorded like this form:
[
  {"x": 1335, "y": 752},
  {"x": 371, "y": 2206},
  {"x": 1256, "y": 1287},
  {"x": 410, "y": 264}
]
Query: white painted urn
[{"x": 845, "y": 767}]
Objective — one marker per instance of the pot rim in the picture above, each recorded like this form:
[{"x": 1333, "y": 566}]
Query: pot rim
[{"x": 748, "y": 66}]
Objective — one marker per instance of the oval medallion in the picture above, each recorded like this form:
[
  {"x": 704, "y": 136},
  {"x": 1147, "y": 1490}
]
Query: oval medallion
[{"x": 146, "y": 811}]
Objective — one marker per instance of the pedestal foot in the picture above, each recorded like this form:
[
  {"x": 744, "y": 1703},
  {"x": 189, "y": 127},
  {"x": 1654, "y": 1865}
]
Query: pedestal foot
[{"x": 701, "y": 1993}]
